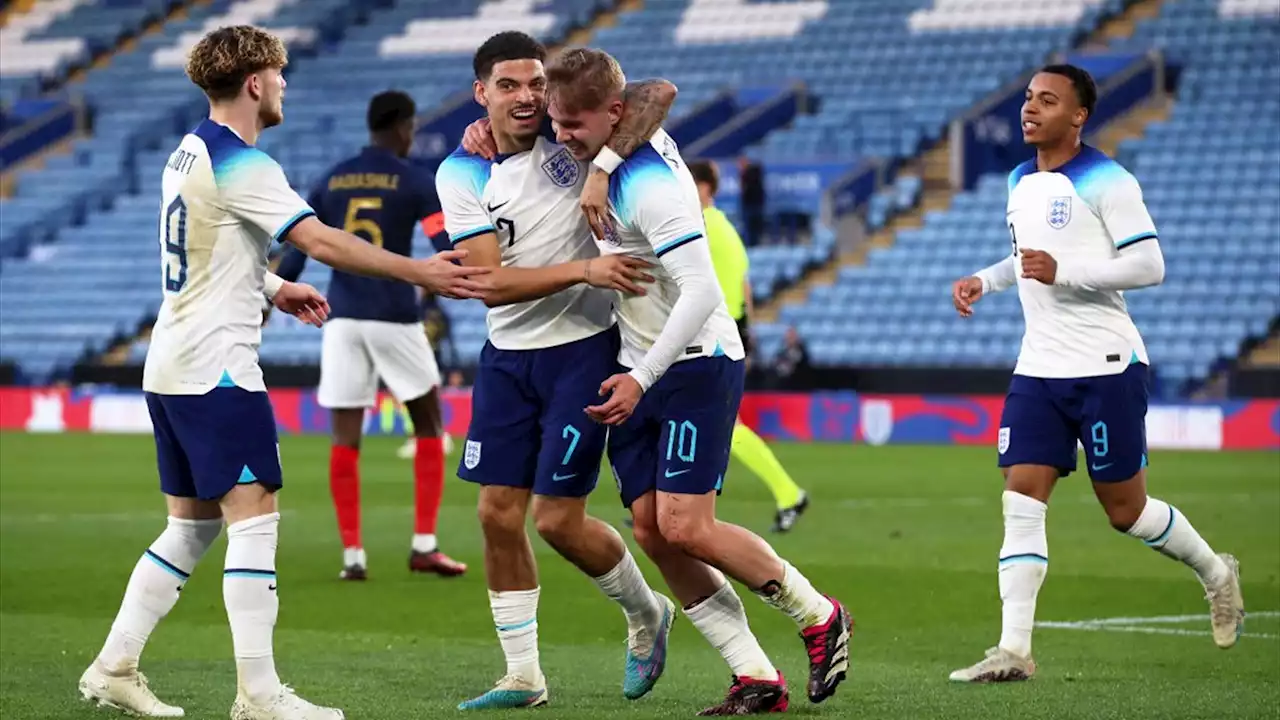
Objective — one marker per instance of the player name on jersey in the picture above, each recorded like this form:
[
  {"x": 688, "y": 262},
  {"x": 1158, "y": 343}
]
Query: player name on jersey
[{"x": 364, "y": 181}]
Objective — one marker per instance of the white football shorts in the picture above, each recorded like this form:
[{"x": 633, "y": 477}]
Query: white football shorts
[{"x": 355, "y": 353}]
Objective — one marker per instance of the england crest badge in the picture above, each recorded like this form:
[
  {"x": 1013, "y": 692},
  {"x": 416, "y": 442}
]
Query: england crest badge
[
  {"x": 471, "y": 456},
  {"x": 562, "y": 169},
  {"x": 1002, "y": 440},
  {"x": 1059, "y": 212},
  {"x": 877, "y": 421}
]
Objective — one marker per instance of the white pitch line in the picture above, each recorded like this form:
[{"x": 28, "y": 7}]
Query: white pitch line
[
  {"x": 1148, "y": 630},
  {"x": 1141, "y": 625},
  {"x": 1154, "y": 620},
  {"x": 892, "y": 503}
]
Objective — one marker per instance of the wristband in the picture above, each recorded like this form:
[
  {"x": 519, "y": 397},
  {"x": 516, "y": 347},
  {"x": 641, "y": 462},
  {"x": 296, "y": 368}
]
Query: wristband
[
  {"x": 271, "y": 284},
  {"x": 607, "y": 160}
]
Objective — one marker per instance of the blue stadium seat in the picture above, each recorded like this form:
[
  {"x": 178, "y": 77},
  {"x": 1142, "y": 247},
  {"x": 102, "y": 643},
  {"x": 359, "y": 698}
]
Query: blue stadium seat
[{"x": 1211, "y": 181}]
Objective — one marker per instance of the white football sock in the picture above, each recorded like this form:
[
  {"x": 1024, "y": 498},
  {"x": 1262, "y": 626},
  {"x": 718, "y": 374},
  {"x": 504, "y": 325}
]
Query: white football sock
[
  {"x": 354, "y": 556},
  {"x": 796, "y": 598},
  {"x": 626, "y": 586},
  {"x": 1168, "y": 531},
  {"x": 723, "y": 622},
  {"x": 515, "y": 615},
  {"x": 154, "y": 588},
  {"x": 424, "y": 543},
  {"x": 249, "y": 591},
  {"x": 1024, "y": 561}
]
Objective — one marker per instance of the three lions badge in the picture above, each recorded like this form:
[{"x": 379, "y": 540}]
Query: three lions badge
[
  {"x": 471, "y": 456},
  {"x": 1058, "y": 213},
  {"x": 562, "y": 169}
]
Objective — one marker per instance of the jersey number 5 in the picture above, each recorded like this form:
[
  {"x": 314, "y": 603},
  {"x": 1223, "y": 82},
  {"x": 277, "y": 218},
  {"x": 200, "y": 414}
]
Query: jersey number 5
[
  {"x": 357, "y": 225},
  {"x": 175, "y": 245},
  {"x": 509, "y": 226}
]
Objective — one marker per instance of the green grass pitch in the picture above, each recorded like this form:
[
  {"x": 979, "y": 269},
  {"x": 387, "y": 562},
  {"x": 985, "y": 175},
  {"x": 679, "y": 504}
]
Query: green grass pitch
[{"x": 906, "y": 536}]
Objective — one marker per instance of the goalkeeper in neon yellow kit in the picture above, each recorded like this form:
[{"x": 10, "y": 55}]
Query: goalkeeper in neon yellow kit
[{"x": 729, "y": 257}]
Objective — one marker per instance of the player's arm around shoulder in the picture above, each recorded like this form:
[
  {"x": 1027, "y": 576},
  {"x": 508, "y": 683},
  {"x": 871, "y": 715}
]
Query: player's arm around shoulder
[{"x": 645, "y": 104}]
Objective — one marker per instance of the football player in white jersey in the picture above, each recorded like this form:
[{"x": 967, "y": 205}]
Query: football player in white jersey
[
  {"x": 551, "y": 343},
  {"x": 224, "y": 203},
  {"x": 674, "y": 401},
  {"x": 1081, "y": 237}
]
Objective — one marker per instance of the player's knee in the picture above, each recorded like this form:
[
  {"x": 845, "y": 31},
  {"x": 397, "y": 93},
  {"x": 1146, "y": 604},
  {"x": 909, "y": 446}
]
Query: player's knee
[
  {"x": 558, "y": 523},
  {"x": 686, "y": 532},
  {"x": 648, "y": 536},
  {"x": 424, "y": 412},
  {"x": 1123, "y": 514},
  {"x": 500, "y": 514}
]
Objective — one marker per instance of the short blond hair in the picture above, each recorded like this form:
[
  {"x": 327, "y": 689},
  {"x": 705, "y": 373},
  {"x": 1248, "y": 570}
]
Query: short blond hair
[
  {"x": 585, "y": 79},
  {"x": 222, "y": 60}
]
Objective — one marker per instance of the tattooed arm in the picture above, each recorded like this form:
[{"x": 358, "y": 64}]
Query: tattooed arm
[{"x": 645, "y": 105}]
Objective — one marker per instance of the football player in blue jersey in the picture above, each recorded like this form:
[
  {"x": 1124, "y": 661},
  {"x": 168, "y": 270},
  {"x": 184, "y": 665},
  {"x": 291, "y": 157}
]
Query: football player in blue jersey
[{"x": 374, "y": 331}]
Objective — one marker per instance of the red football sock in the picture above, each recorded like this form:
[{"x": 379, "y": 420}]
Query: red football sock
[
  {"x": 428, "y": 484},
  {"x": 344, "y": 485}
]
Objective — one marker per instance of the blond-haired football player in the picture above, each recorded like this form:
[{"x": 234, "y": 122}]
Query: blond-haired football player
[
  {"x": 224, "y": 203},
  {"x": 673, "y": 400}
]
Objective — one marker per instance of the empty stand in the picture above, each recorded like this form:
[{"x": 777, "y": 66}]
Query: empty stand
[{"x": 1211, "y": 178}]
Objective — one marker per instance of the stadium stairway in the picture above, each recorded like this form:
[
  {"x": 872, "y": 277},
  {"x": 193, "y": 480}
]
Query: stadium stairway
[
  {"x": 1211, "y": 308},
  {"x": 127, "y": 38}
]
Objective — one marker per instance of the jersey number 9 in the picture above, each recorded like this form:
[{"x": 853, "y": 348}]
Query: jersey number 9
[
  {"x": 357, "y": 225},
  {"x": 175, "y": 245}
]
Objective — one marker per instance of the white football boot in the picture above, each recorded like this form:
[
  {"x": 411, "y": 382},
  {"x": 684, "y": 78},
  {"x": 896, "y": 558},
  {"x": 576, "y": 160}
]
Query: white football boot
[
  {"x": 127, "y": 692},
  {"x": 1226, "y": 605},
  {"x": 286, "y": 705},
  {"x": 999, "y": 665}
]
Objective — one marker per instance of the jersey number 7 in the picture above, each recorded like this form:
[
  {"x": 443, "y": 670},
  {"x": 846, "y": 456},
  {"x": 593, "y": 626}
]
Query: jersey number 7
[
  {"x": 509, "y": 226},
  {"x": 357, "y": 225}
]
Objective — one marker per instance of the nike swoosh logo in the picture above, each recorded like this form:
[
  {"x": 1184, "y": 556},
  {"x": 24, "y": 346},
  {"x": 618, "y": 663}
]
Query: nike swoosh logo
[
  {"x": 1102, "y": 467},
  {"x": 670, "y": 474},
  {"x": 272, "y": 588},
  {"x": 494, "y": 208},
  {"x": 557, "y": 477}
]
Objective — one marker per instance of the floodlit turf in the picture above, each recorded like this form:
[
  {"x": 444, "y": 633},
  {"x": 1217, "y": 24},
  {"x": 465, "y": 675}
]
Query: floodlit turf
[{"x": 907, "y": 536}]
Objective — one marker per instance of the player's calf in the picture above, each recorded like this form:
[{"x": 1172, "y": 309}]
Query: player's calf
[
  {"x": 591, "y": 545},
  {"x": 154, "y": 589},
  {"x": 825, "y": 626},
  {"x": 1162, "y": 528}
]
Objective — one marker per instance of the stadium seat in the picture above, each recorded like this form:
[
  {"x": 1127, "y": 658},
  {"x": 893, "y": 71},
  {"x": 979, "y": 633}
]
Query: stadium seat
[{"x": 1211, "y": 183}]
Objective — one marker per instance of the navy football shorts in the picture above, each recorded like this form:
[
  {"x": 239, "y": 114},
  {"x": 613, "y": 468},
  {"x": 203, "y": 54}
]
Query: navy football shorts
[
  {"x": 207, "y": 444},
  {"x": 679, "y": 436},
  {"x": 529, "y": 428},
  {"x": 1044, "y": 418}
]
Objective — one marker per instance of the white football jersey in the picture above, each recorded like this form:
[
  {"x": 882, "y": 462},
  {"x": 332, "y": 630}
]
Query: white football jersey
[
  {"x": 655, "y": 207},
  {"x": 529, "y": 200},
  {"x": 224, "y": 202},
  {"x": 1086, "y": 210}
]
